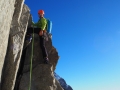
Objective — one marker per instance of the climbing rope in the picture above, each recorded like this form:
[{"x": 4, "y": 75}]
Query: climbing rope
[{"x": 31, "y": 60}]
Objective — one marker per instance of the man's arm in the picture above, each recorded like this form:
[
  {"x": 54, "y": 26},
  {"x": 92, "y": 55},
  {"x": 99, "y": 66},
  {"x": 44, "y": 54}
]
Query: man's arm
[
  {"x": 44, "y": 23},
  {"x": 34, "y": 24}
]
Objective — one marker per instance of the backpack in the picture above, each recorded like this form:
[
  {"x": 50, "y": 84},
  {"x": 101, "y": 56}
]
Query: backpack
[{"x": 49, "y": 26}]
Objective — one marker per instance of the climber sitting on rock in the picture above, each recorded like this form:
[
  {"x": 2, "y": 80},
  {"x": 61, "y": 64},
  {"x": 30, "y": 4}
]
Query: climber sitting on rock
[
  {"x": 40, "y": 29},
  {"x": 42, "y": 23}
]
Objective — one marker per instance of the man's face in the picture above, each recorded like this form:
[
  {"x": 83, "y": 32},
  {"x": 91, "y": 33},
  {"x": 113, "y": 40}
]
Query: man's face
[{"x": 40, "y": 15}]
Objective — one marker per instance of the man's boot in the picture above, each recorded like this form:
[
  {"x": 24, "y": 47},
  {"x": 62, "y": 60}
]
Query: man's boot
[{"x": 46, "y": 60}]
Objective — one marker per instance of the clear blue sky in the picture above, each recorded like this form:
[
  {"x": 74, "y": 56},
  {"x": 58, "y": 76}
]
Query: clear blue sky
[{"x": 86, "y": 34}]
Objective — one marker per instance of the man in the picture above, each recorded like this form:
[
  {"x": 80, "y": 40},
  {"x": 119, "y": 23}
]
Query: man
[{"x": 41, "y": 24}]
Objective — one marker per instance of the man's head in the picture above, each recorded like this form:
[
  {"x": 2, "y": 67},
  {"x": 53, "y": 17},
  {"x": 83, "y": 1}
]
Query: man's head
[{"x": 41, "y": 13}]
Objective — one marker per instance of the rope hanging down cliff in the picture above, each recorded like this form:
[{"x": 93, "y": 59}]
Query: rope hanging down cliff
[{"x": 31, "y": 61}]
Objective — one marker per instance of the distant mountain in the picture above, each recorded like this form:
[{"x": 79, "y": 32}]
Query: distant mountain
[{"x": 62, "y": 82}]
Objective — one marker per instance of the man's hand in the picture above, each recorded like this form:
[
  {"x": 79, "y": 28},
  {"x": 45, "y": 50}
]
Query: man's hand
[
  {"x": 32, "y": 22},
  {"x": 44, "y": 31},
  {"x": 41, "y": 32}
]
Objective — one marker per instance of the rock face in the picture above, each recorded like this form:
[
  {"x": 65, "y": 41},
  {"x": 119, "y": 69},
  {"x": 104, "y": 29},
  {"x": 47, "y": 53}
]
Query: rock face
[
  {"x": 15, "y": 45},
  {"x": 6, "y": 13},
  {"x": 15, "y": 59},
  {"x": 42, "y": 75},
  {"x": 63, "y": 82},
  {"x": 42, "y": 79}
]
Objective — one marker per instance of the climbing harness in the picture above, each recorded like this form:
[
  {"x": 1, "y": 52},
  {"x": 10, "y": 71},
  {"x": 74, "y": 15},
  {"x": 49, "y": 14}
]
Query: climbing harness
[{"x": 31, "y": 61}]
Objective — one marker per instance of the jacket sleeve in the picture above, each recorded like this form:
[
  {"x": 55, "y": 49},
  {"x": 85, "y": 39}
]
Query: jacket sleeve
[
  {"x": 43, "y": 22},
  {"x": 34, "y": 24}
]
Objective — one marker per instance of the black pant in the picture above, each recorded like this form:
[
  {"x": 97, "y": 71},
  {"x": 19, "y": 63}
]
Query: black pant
[
  {"x": 42, "y": 44},
  {"x": 42, "y": 40}
]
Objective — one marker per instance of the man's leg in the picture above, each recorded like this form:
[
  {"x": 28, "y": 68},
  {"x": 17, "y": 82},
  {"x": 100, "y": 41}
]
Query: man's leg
[{"x": 44, "y": 51}]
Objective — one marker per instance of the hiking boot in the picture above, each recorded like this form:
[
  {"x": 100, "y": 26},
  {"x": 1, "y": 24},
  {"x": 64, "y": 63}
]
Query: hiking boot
[
  {"x": 46, "y": 60},
  {"x": 28, "y": 40}
]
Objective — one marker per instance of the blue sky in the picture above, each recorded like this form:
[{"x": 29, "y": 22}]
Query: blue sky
[{"x": 86, "y": 34}]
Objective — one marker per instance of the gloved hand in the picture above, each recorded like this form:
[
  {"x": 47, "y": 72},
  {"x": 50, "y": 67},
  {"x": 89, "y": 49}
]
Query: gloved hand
[
  {"x": 41, "y": 32},
  {"x": 32, "y": 24},
  {"x": 44, "y": 31}
]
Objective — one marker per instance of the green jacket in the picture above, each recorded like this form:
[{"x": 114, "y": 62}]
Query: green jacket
[{"x": 42, "y": 23}]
